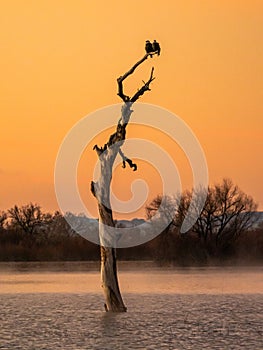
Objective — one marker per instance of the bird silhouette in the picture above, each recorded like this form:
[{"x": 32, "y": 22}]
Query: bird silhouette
[{"x": 156, "y": 47}]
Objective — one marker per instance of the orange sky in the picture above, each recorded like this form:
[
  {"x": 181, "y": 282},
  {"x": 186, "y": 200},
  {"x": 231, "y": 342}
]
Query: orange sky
[{"x": 60, "y": 60}]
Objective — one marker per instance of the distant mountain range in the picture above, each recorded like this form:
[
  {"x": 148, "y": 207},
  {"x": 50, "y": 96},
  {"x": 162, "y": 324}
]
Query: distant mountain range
[
  {"x": 136, "y": 222},
  {"x": 92, "y": 224},
  {"x": 259, "y": 218}
]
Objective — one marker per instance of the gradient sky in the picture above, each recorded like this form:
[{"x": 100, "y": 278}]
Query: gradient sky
[{"x": 60, "y": 60}]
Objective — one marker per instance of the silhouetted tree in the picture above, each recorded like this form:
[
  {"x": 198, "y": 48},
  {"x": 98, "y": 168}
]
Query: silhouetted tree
[
  {"x": 58, "y": 227},
  {"x": 227, "y": 213},
  {"x": 164, "y": 243},
  {"x": 28, "y": 218},
  {"x": 3, "y": 217}
]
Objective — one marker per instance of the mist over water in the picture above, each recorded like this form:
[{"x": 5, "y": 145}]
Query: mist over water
[{"x": 167, "y": 309}]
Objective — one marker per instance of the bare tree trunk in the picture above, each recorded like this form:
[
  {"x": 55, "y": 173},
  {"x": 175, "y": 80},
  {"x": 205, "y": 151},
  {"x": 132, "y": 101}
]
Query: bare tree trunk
[{"x": 101, "y": 190}]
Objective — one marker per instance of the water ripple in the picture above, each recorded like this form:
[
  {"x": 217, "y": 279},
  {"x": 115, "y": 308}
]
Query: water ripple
[{"x": 77, "y": 322}]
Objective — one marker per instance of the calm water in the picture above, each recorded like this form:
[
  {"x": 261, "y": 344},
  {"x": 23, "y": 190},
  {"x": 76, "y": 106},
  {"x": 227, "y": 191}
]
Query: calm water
[{"x": 49, "y": 310}]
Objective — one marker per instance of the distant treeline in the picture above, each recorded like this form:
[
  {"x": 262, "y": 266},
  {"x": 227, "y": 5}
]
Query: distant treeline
[{"x": 224, "y": 233}]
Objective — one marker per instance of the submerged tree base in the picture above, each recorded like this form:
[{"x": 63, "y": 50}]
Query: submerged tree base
[{"x": 113, "y": 298}]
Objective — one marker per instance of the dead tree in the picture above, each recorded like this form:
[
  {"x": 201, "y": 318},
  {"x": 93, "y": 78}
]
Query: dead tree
[{"x": 101, "y": 190}]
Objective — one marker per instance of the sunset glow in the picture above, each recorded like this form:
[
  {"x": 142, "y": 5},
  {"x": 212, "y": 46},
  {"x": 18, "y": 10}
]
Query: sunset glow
[{"x": 60, "y": 61}]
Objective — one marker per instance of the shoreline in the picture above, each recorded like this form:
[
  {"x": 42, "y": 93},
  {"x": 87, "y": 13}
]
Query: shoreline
[{"x": 90, "y": 266}]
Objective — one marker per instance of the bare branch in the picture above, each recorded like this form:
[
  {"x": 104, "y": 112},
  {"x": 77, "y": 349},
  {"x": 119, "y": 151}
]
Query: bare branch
[
  {"x": 129, "y": 161},
  {"x": 120, "y": 80},
  {"x": 100, "y": 150},
  {"x": 145, "y": 87},
  {"x": 120, "y": 134}
]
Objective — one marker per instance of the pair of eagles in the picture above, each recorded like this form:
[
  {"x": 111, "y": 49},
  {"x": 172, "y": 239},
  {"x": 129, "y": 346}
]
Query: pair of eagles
[{"x": 152, "y": 47}]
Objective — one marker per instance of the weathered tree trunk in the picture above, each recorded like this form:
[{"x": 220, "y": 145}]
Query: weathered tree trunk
[{"x": 101, "y": 190}]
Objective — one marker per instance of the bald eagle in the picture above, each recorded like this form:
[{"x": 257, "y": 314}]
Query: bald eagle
[
  {"x": 156, "y": 47},
  {"x": 148, "y": 47}
]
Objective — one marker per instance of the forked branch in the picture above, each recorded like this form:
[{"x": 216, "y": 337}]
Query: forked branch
[
  {"x": 145, "y": 87},
  {"x": 120, "y": 134},
  {"x": 120, "y": 80}
]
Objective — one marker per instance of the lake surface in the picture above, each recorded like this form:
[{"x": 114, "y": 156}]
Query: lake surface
[{"x": 167, "y": 309}]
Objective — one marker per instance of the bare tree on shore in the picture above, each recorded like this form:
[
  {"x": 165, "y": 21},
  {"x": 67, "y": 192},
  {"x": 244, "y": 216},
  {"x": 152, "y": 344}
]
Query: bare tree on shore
[{"x": 227, "y": 213}]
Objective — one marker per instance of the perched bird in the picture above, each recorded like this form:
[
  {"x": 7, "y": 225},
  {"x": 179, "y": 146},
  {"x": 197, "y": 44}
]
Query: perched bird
[
  {"x": 156, "y": 47},
  {"x": 148, "y": 47}
]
